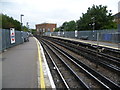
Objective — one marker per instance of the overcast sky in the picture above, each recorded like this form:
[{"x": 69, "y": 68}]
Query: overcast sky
[{"x": 51, "y": 11}]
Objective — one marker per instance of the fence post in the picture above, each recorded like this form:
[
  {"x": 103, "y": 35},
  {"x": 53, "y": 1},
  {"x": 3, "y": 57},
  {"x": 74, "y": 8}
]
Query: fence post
[{"x": 76, "y": 33}]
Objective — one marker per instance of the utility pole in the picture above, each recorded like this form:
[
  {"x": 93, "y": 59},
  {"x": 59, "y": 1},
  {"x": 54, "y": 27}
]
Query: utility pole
[
  {"x": 21, "y": 21},
  {"x": 27, "y": 26}
]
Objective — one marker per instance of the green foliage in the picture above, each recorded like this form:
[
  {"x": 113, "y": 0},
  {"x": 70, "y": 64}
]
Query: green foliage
[
  {"x": 103, "y": 19},
  {"x": 9, "y": 22},
  {"x": 24, "y": 28},
  {"x": 33, "y": 31},
  {"x": 97, "y": 18},
  {"x": 56, "y": 29},
  {"x": 69, "y": 26},
  {"x": 0, "y": 20}
]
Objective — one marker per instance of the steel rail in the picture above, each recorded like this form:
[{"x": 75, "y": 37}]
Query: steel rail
[
  {"x": 111, "y": 58},
  {"x": 87, "y": 44},
  {"x": 56, "y": 67},
  {"x": 74, "y": 62},
  {"x": 103, "y": 63},
  {"x": 107, "y": 82},
  {"x": 72, "y": 71}
]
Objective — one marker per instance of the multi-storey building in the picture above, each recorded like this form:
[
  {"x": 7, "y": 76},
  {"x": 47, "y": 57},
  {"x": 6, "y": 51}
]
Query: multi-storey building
[{"x": 45, "y": 27}]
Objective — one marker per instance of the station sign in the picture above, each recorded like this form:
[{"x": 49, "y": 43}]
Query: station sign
[{"x": 12, "y": 35}]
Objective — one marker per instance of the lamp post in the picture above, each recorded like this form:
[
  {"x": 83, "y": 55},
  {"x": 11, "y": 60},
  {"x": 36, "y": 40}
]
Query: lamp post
[{"x": 21, "y": 20}]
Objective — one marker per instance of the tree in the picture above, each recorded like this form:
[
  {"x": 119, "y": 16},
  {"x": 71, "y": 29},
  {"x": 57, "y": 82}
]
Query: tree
[
  {"x": 33, "y": 31},
  {"x": 103, "y": 19},
  {"x": 24, "y": 28},
  {"x": 69, "y": 26},
  {"x": 56, "y": 29},
  {"x": 9, "y": 22},
  {"x": 0, "y": 21}
]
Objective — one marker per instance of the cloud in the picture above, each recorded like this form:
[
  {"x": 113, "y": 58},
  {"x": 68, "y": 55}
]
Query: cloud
[{"x": 56, "y": 11}]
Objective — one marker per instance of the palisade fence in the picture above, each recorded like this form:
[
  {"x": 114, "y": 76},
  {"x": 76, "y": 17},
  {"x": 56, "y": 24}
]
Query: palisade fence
[
  {"x": 101, "y": 35},
  {"x": 5, "y": 40}
]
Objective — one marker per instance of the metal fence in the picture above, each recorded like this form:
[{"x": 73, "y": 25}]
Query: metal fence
[
  {"x": 101, "y": 35},
  {"x": 0, "y": 39},
  {"x": 5, "y": 40}
]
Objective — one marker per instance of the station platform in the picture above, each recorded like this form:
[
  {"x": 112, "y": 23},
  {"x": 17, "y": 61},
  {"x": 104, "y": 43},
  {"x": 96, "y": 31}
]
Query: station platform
[
  {"x": 25, "y": 66},
  {"x": 110, "y": 45}
]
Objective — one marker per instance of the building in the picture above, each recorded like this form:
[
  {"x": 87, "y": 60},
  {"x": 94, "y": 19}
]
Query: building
[
  {"x": 45, "y": 27},
  {"x": 117, "y": 17},
  {"x": 117, "y": 20}
]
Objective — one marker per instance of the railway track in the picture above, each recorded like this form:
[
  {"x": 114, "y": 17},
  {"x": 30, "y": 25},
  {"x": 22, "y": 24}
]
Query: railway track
[
  {"x": 107, "y": 61},
  {"x": 84, "y": 77},
  {"x": 59, "y": 80},
  {"x": 104, "y": 50},
  {"x": 68, "y": 76}
]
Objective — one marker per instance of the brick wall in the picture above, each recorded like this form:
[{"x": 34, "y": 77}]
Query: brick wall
[{"x": 45, "y": 27}]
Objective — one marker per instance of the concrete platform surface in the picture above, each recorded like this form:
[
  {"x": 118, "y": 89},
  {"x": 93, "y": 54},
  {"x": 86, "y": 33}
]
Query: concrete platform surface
[
  {"x": 0, "y": 71},
  {"x": 103, "y": 44},
  {"x": 19, "y": 66}
]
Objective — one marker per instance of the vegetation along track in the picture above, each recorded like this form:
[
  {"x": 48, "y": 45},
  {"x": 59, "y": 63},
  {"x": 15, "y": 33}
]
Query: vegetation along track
[{"x": 87, "y": 77}]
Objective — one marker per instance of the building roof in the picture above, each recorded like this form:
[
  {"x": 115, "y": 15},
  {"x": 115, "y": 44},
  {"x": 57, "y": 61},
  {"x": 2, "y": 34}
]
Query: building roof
[
  {"x": 46, "y": 23},
  {"x": 117, "y": 15}
]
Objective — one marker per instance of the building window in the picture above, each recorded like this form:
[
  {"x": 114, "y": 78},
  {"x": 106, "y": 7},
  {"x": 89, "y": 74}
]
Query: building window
[
  {"x": 43, "y": 29},
  {"x": 53, "y": 29},
  {"x": 48, "y": 29},
  {"x": 37, "y": 30},
  {"x": 40, "y": 30}
]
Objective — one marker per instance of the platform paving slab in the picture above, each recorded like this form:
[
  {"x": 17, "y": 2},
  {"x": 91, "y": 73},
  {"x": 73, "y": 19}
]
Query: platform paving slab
[
  {"x": 103, "y": 44},
  {"x": 19, "y": 66}
]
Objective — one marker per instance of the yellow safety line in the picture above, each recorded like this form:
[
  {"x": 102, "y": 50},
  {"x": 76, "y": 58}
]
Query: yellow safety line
[{"x": 42, "y": 82}]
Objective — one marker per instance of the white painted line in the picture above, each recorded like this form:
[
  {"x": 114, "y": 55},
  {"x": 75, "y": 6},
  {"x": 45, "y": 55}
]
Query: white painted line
[
  {"x": 38, "y": 68},
  {"x": 41, "y": 80},
  {"x": 48, "y": 70}
]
